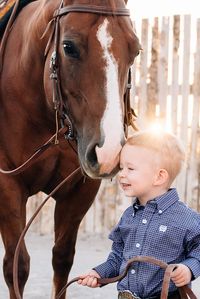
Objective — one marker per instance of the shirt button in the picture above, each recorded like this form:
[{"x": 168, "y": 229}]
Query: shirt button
[
  {"x": 160, "y": 212},
  {"x": 132, "y": 271},
  {"x": 137, "y": 245},
  {"x": 144, "y": 221}
]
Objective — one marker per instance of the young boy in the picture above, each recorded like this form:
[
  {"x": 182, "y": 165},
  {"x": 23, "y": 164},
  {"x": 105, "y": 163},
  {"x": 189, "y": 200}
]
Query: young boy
[{"x": 157, "y": 224}]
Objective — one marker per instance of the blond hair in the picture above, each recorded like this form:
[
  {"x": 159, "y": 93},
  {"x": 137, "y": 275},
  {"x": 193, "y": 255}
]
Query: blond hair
[{"x": 167, "y": 147}]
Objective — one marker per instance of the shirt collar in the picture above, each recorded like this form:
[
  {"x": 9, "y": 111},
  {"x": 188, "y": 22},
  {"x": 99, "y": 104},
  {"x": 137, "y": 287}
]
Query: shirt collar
[
  {"x": 166, "y": 200},
  {"x": 162, "y": 202},
  {"x": 137, "y": 206}
]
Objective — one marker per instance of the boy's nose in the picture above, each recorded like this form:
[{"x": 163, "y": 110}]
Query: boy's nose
[{"x": 121, "y": 173}]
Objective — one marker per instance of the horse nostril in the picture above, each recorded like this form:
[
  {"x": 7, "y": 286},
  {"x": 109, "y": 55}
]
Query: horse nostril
[{"x": 92, "y": 157}]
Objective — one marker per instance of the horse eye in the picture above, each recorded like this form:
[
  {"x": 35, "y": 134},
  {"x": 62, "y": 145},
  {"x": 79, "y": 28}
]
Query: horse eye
[{"x": 70, "y": 49}]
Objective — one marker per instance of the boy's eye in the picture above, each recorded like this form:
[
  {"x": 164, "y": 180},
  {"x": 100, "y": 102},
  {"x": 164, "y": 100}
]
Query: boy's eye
[{"x": 130, "y": 168}]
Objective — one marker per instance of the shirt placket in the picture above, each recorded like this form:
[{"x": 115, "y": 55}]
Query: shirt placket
[{"x": 139, "y": 245}]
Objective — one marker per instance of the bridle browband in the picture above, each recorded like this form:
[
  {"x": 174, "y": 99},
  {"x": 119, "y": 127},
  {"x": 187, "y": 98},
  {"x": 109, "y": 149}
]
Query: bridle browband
[
  {"x": 101, "y": 10},
  {"x": 62, "y": 112}
]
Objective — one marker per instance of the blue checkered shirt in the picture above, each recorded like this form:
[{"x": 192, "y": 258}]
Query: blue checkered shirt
[{"x": 165, "y": 229}]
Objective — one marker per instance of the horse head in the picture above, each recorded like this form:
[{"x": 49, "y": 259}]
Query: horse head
[{"x": 95, "y": 52}]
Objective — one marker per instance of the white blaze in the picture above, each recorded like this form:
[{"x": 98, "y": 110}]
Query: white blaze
[{"x": 112, "y": 120}]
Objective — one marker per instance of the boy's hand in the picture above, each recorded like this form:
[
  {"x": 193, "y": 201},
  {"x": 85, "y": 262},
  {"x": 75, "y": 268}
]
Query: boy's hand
[
  {"x": 181, "y": 275},
  {"x": 90, "y": 279}
]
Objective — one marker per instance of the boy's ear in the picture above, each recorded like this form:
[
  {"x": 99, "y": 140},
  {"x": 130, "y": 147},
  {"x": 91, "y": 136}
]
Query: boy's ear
[{"x": 162, "y": 177}]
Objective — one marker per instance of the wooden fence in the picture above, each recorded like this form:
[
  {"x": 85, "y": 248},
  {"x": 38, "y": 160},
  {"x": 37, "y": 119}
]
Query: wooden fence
[{"x": 166, "y": 93}]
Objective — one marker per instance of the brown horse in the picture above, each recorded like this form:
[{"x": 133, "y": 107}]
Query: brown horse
[{"x": 95, "y": 51}]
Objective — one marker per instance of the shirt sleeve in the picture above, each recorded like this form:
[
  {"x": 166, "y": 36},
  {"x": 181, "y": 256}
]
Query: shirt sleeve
[
  {"x": 192, "y": 260},
  {"x": 111, "y": 267}
]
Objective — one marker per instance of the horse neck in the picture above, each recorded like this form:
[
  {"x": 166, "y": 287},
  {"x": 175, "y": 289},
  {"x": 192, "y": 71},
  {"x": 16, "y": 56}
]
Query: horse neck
[{"x": 30, "y": 47}]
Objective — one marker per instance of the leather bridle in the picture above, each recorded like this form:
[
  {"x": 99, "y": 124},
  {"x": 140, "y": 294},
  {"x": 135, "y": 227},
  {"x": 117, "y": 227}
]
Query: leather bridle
[{"x": 61, "y": 110}]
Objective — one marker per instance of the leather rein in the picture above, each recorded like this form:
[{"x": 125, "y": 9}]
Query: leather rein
[
  {"x": 185, "y": 291},
  {"x": 70, "y": 177}
]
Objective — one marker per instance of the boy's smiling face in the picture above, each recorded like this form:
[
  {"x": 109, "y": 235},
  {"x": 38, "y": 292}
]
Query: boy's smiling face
[{"x": 139, "y": 169}]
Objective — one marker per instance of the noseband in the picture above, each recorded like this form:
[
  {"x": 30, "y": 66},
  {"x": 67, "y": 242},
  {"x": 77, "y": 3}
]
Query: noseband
[{"x": 62, "y": 112}]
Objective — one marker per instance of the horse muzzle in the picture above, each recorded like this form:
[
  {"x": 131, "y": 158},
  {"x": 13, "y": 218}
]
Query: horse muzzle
[
  {"x": 108, "y": 158},
  {"x": 99, "y": 163}
]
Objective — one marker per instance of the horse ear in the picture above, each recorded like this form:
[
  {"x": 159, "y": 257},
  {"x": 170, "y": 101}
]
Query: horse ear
[{"x": 126, "y": 1}]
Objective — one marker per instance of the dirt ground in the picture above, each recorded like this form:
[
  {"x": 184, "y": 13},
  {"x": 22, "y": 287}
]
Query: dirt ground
[{"x": 90, "y": 250}]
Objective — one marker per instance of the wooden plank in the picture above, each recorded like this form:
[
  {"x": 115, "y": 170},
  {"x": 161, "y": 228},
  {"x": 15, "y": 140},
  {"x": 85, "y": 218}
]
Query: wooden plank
[
  {"x": 163, "y": 70},
  {"x": 185, "y": 79},
  {"x": 133, "y": 80},
  {"x": 182, "y": 186},
  {"x": 89, "y": 220},
  {"x": 175, "y": 73},
  {"x": 192, "y": 177},
  {"x": 143, "y": 74},
  {"x": 153, "y": 74},
  {"x": 44, "y": 221},
  {"x": 99, "y": 216}
]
